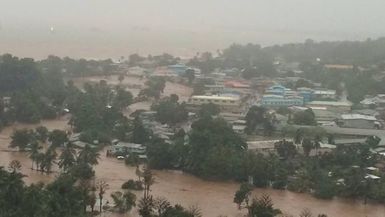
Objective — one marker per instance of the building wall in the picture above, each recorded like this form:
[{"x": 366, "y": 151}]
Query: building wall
[
  {"x": 280, "y": 102},
  {"x": 358, "y": 123}
]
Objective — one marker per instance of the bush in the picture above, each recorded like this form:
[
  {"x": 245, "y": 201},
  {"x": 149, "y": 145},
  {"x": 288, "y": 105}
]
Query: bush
[
  {"x": 133, "y": 185},
  {"x": 132, "y": 160}
]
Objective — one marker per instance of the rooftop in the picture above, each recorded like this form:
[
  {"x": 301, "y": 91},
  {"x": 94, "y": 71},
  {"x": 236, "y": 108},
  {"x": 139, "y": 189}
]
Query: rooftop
[
  {"x": 331, "y": 103},
  {"x": 358, "y": 117},
  {"x": 325, "y": 92},
  {"x": 215, "y": 97}
]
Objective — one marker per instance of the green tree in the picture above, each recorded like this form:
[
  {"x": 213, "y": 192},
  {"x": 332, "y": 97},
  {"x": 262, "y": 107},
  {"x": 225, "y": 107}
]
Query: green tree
[
  {"x": 209, "y": 109},
  {"x": 22, "y": 138},
  {"x": 155, "y": 87},
  {"x": 306, "y": 117},
  {"x": 68, "y": 157},
  {"x": 42, "y": 133},
  {"x": 242, "y": 195},
  {"x": 88, "y": 156},
  {"x": 58, "y": 138},
  {"x": 34, "y": 153},
  {"x": 48, "y": 159},
  {"x": 101, "y": 187},
  {"x": 148, "y": 181},
  {"x": 139, "y": 133},
  {"x": 307, "y": 146},
  {"x": 263, "y": 206},
  {"x": 254, "y": 117},
  {"x": 122, "y": 98},
  {"x": 124, "y": 202},
  {"x": 190, "y": 75},
  {"x": 169, "y": 111}
]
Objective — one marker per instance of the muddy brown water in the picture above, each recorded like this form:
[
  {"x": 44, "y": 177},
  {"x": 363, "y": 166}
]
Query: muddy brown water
[
  {"x": 213, "y": 198},
  {"x": 171, "y": 88}
]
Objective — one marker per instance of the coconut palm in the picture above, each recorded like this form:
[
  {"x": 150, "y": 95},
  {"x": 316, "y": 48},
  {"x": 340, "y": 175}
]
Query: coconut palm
[
  {"x": 34, "y": 153},
  {"x": 123, "y": 201},
  {"x": 263, "y": 206},
  {"x": 67, "y": 157},
  {"x": 48, "y": 160},
  {"x": 148, "y": 180},
  {"x": 88, "y": 155},
  {"x": 14, "y": 166},
  {"x": 101, "y": 187},
  {"x": 58, "y": 138},
  {"x": 21, "y": 139}
]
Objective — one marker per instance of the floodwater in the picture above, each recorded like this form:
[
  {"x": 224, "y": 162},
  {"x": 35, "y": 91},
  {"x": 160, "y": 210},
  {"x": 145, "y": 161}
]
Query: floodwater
[
  {"x": 213, "y": 198},
  {"x": 183, "y": 91},
  {"x": 131, "y": 81}
]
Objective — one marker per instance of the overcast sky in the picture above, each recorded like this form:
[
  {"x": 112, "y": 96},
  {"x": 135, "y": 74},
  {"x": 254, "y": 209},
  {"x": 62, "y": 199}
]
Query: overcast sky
[{"x": 110, "y": 28}]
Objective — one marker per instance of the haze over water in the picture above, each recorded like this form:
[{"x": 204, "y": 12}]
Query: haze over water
[{"x": 114, "y": 28}]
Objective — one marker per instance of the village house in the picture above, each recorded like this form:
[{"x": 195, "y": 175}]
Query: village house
[{"x": 359, "y": 121}]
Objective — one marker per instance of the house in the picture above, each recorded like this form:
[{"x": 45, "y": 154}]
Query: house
[
  {"x": 337, "y": 106},
  {"x": 214, "y": 88},
  {"x": 281, "y": 101},
  {"x": 276, "y": 90},
  {"x": 351, "y": 141},
  {"x": 122, "y": 148},
  {"x": 339, "y": 67},
  {"x": 236, "y": 84},
  {"x": 324, "y": 94},
  {"x": 226, "y": 103},
  {"x": 323, "y": 115},
  {"x": 179, "y": 69},
  {"x": 262, "y": 146},
  {"x": 377, "y": 101},
  {"x": 359, "y": 121},
  {"x": 306, "y": 93}
]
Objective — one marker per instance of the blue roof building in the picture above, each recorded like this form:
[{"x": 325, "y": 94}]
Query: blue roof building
[
  {"x": 281, "y": 101},
  {"x": 276, "y": 90},
  {"x": 178, "y": 69}
]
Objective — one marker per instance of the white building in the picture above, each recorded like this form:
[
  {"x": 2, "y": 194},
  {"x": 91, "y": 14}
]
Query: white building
[
  {"x": 378, "y": 101},
  {"x": 324, "y": 94},
  {"x": 224, "y": 102},
  {"x": 359, "y": 121},
  {"x": 339, "y": 106}
]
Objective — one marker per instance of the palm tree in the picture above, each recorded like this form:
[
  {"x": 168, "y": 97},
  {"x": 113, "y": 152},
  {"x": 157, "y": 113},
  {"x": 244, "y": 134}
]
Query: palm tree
[
  {"x": 15, "y": 166},
  {"x": 67, "y": 157},
  {"x": 138, "y": 172},
  {"x": 39, "y": 160},
  {"x": 48, "y": 160},
  {"x": 306, "y": 213},
  {"x": 88, "y": 194},
  {"x": 41, "y": 133},
  {"x": 21, "y": 139},
  {"x": 146, "y": 206},
  {"x": 120, "y": 78},
  {"x": 34, "y": 153},
  {"x": 161, "y": 204},
  {"x": 148, "y": 180},
  {"x": 101, "y": 186},
  {"x": 88, "y": 155},
  {"x": 123, "y": 201},
  {"x": 58, "y": 138},
  {"x": 263, "y": 206}
]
